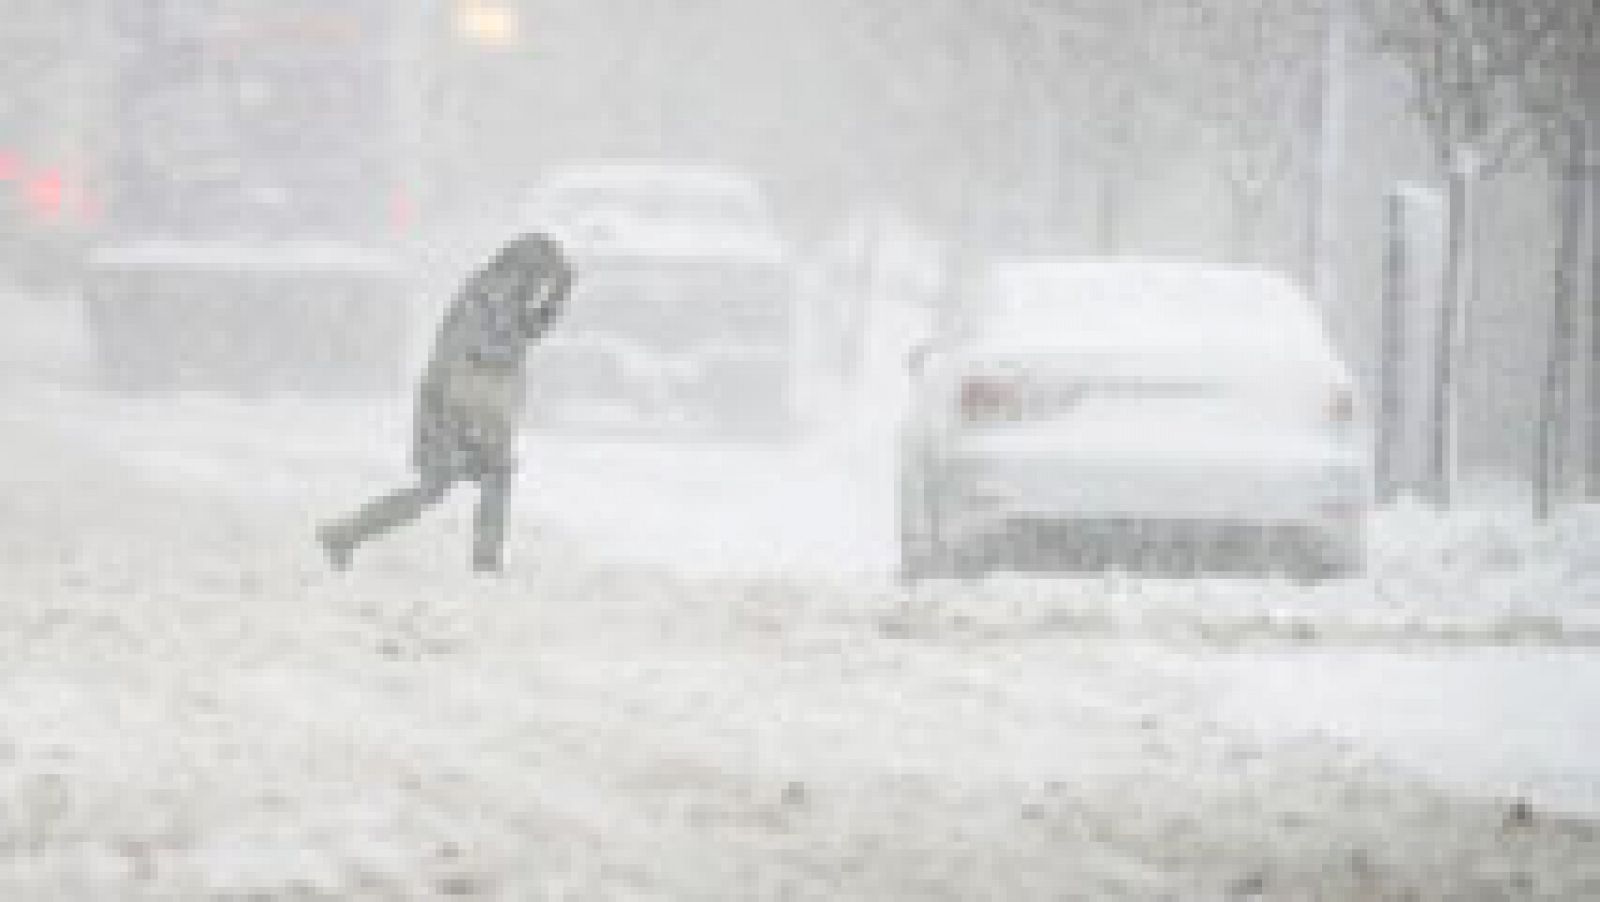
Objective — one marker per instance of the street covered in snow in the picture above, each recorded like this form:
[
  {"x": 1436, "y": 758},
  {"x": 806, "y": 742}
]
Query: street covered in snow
[
  {"x": 698, "y": 679},
  {"x": 799, "y": 450}
]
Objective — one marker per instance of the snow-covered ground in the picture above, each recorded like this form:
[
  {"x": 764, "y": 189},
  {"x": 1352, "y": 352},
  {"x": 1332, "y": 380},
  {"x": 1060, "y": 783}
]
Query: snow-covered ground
[
  {"x": 1520, "y": 722},
  {"x": 698, "y": 680}
]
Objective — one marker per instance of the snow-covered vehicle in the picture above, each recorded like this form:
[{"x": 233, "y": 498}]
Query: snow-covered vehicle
[
  {"x": 1153, "y": 416},
  {"x": 253, "y": 168},
  {"x": 685, "y": 316}
]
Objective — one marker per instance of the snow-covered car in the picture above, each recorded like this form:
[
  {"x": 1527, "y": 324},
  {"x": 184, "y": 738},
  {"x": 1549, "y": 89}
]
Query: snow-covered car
[
  {"x": 685, "y": 315},
  {"x": 1154, "y": 416}
]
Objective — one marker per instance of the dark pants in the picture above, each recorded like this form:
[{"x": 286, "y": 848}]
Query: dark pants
[{"x": 391, "y": 511}]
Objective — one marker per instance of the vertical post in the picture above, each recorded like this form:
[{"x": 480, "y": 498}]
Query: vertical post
[
  {"x": 1442, "y": 431},
  {"x": 1554, "y": 409},
  {"x": 1391, "y": 372}
]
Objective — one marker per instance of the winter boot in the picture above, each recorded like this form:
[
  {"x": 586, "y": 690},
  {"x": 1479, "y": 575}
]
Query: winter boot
[
  {"x": 336, "y": 548},
  {"x": 487, "y": 563}
]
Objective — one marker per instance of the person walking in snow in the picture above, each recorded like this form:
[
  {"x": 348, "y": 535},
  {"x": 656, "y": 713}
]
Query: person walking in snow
[{"x": 470, "y": 400}]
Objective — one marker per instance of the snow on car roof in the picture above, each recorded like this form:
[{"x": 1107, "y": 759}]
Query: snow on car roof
[{"x": 1053, "y": 301}]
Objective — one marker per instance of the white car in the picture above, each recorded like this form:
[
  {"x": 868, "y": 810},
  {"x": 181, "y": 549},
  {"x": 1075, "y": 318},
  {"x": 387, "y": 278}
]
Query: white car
[
  {"x": 1152, "y": 416},
  {"x": 686, "y": 313}
]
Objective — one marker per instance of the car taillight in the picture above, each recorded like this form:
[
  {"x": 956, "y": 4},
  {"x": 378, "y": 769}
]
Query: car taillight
[
  {"x": 1341, "y": 407},
  {"x": 986, "y": 400}
]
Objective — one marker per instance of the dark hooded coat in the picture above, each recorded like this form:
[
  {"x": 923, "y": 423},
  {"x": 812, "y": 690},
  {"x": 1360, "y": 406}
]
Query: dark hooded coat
[{"x": 470, "y": 400}]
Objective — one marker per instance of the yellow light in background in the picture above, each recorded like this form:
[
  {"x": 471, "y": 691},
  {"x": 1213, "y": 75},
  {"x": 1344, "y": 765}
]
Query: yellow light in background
[{"x": 487, "y": 23}]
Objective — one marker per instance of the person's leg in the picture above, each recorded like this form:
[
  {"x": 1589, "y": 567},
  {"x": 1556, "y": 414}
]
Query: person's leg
[
  {"x": 340, "y": 537},
  {"x": 489, "y": 525}
]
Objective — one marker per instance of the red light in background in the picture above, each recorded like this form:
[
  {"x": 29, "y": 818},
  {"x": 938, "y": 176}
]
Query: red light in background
[
  {"x": 46, "y": 193},
  {"x": 10, "y": 166}
]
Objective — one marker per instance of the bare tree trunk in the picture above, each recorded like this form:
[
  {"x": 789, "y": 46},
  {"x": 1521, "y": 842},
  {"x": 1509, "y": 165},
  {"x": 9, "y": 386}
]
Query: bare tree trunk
[
  {"x": 1593, "y": 456},
  {"x": 1108, "y": 221},
  {"x": 1117, "y": 179},
  {"x": 1239, "y": 239},
  {"x": 1249, "y": 202},
  {"x": 1391, "y": 364},
  {"x": 1443, "y": 415},
  {"x": 1554, "y": 412}
]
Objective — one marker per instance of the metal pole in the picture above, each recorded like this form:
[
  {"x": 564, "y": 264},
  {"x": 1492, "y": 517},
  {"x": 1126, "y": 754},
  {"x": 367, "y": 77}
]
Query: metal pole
[
  {"x": 1593, "y": 399},
  {"x": 1391, "y": 351}
]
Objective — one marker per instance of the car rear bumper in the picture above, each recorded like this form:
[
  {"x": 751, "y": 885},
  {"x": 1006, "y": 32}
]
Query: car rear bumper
[
  {"x": 1162, "y": 547},
  {"x": 1219, "y": 516}
]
